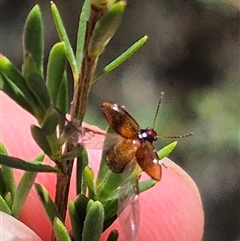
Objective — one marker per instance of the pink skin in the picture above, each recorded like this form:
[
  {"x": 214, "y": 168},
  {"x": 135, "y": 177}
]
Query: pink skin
[{"x": 172, "y": 210}]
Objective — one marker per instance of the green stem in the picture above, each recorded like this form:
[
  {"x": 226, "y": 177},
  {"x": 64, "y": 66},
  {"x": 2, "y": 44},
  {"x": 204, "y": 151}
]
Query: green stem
[
  {"x": 78, "y": 110},
  {"x": 80, "y": 98}
]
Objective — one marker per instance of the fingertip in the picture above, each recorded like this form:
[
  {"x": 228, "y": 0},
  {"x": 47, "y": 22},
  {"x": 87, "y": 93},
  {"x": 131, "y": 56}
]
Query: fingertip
[
  {"x": 175, "y": 169},
  {"x": 173, "y": 208}
]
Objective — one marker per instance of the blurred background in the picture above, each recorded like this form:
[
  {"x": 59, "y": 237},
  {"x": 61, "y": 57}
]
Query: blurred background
[{"x": 193, "y": 56}]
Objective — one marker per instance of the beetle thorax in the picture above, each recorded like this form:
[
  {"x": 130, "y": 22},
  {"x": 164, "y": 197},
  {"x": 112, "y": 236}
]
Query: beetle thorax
[{"x": 147, "y": 134}]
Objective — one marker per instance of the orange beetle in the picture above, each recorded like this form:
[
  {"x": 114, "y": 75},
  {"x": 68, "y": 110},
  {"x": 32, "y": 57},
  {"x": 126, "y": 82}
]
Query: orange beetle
[{"x": 135, "y": 144}]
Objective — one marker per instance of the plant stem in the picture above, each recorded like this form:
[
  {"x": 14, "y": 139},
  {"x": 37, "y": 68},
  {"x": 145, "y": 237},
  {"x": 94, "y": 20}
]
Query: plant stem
[{"x": 78, "y": 110}]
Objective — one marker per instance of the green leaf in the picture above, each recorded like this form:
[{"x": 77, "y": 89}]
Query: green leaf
[
  {"x": 113, "y": 236},
  {"x": 146, "y": 184},
  {"x": 64, "y": 38},
  {"x": 41, "y": 139},
  {"x": 7, "y": 176},
  {"x": 108, "y": 187},
  {"x": 47, "y": 202},
  {"x": 9, "y": 181},
  {"x": 2, "y": 184},
  {"x": 82, "y": 162},
  {"x": 55, "y": 70},
  {"x": 38, "y": 87},
  {"x": 110, "y": 211},
  {"x": 89, "y": 179},
  {"x": 60, "y": 231},
  {"x": 24, "y": 188},
  {"x": 8, "y": 199},
  {"x": 62, "y": 99},
  {"x": 3, "y": 149},
  {"x": 33, "y": 39},
  {"x": 105, "y": 28},
  {"x": 81, "y": 203},
  {"x": 93, "y": 224},
  {"x": 76, "y": 223},
  {"x": 102, "y": 172},
  {"x": 122, "y": 58},
  {"x": 50, "y": 122},
  {"x": 29, "y": 66},
  {"x": 4, "y": 206},
  {"x": 56, "y": 147},
  {"x": 14, "y": 85},
  {"x": 34, "y": 166},
  {"x": 8, "y": 87},
  {"x": 81, "y": 33},
  {"x": 165, "y": 151},
  {"x": 103, "y": 169}
]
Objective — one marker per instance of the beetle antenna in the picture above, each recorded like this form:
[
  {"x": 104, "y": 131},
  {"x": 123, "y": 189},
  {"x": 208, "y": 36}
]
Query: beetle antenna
[
  {"x": 158, "y": 107},
  {"x": 176, "y": 137}
]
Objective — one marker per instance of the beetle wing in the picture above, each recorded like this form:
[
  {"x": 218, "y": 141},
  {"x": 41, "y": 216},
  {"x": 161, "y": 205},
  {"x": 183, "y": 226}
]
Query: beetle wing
[
  {"x": 120, "y": 121},
  {"x": 128, "y": 203},
  {"x": 118, "y": 153},
  {"x": 148, "y": 160}
]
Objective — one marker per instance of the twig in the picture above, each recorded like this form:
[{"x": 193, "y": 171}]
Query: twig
[{"x": 78, "y": 110}]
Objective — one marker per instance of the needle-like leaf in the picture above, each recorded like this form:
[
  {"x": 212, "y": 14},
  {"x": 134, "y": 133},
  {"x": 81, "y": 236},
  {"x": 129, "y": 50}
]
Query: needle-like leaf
[
  {"x": 60, "y": 231},
  {"x": 93, "y": 224},
  {"x": 18, "y": 163},
  {"x": 23, "y": 188},
  {"x": 4, "y": 206},
  {"x": 165, "y": 151},
  {"x": 47, "y": 202},
  {"x": 33, "y": 43},
  {"x": 57, "y": 60},
  {"x": 81, "y": 33},
  {"x": 7, "y": 175},
  {"x": 122, "y": 58},
  {"x": 64, "y": 37},
  {"x": 76, "y": 223}
]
